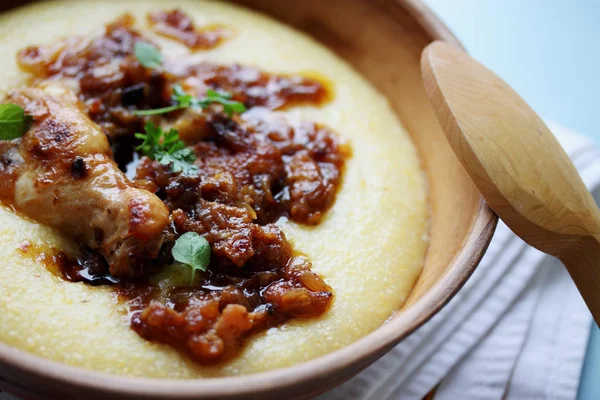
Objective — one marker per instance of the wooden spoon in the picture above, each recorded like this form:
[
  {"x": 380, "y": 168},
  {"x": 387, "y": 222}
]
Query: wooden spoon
[{"x": 516, "y": 163}]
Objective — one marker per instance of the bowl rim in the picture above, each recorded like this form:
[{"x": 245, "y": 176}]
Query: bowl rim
[{"x": 365, "y": 350}]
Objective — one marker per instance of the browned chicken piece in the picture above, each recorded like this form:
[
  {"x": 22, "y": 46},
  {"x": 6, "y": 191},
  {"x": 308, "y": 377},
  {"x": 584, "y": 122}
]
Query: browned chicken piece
[{"x": 61, "y": 173}]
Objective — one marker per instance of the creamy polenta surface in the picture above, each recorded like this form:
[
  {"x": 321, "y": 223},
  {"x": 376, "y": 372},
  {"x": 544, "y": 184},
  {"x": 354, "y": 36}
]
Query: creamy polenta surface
[{"x": 369, "y": 246}]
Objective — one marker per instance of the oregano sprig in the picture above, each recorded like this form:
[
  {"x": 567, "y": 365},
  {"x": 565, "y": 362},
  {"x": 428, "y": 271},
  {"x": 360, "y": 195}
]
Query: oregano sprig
[
  {"x": 193, "y": 250},
  {"x": 148, "y": 55},
  {"x": 14, "y": 122}
]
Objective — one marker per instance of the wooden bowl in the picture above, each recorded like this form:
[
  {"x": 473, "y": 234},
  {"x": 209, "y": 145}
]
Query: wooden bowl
[{"x": 383, "y": 40}]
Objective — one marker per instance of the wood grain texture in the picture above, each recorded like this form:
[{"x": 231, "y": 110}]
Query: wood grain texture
[
  {"x": 383, "y": 40},
  {"x": 517, "y": 163}
]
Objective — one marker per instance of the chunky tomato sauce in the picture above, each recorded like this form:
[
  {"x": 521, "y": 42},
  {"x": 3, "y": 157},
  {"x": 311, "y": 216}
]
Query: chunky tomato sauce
[{"x": 254, "y": 169}]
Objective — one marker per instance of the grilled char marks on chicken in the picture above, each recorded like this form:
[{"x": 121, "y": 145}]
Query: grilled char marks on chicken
[{"x": 61, "y": 173}]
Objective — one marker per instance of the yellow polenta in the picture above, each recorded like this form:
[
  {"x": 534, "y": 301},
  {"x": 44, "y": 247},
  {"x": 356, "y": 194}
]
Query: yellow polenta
[{"x": 369, "y": 248}]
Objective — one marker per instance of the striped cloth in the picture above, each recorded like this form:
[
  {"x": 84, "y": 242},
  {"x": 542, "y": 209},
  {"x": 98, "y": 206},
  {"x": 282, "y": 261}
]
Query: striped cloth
[{"x": 517, "y": 330}]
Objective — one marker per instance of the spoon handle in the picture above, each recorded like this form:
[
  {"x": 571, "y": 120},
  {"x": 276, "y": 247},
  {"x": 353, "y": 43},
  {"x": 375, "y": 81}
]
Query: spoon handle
[{"x": 582, "y": 259}]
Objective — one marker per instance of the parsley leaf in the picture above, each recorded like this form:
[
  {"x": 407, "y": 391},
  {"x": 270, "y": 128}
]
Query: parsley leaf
[
  {"x": 185, "y": 100},
  {"x": 182, "y": 98},
  {"x": 148, "y": 55},
  {"x": 167, "y": 149},
  {"x": 156, "y": 111},
  {"x": 181, "y": 161},
  {"x": 193, "y": 250},
  {"x": 13, "y": 121},
  {"x": 229, "y": 106}
]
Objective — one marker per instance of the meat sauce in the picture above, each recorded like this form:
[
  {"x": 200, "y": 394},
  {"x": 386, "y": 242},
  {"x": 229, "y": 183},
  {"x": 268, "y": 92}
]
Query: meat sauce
[
  {"x": 255, "y": 169},
  {"x": 178, "y": 26}
]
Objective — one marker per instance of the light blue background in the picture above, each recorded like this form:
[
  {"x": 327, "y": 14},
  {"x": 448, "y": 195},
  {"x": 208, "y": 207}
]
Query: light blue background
[{"x": 549, "y": 51}]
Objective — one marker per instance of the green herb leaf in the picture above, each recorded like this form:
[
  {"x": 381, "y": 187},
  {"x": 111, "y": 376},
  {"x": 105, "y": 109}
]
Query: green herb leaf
[
  {"x": 185, "y": 100},
  {"x": 148, "y": 55},
  {"x": 180, "y": 161},
  {"x": 167, "y": 149},
  {"x": 193, "y": 250},
  {"x": 182, "y": 98},
  {"x": 13, "y": 121},
  {"x": 156, "y": 111},
  {"x": 229, "y": 106}
]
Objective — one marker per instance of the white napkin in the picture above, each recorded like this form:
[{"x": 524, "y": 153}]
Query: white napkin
[{"x": 517, "y": 330}]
